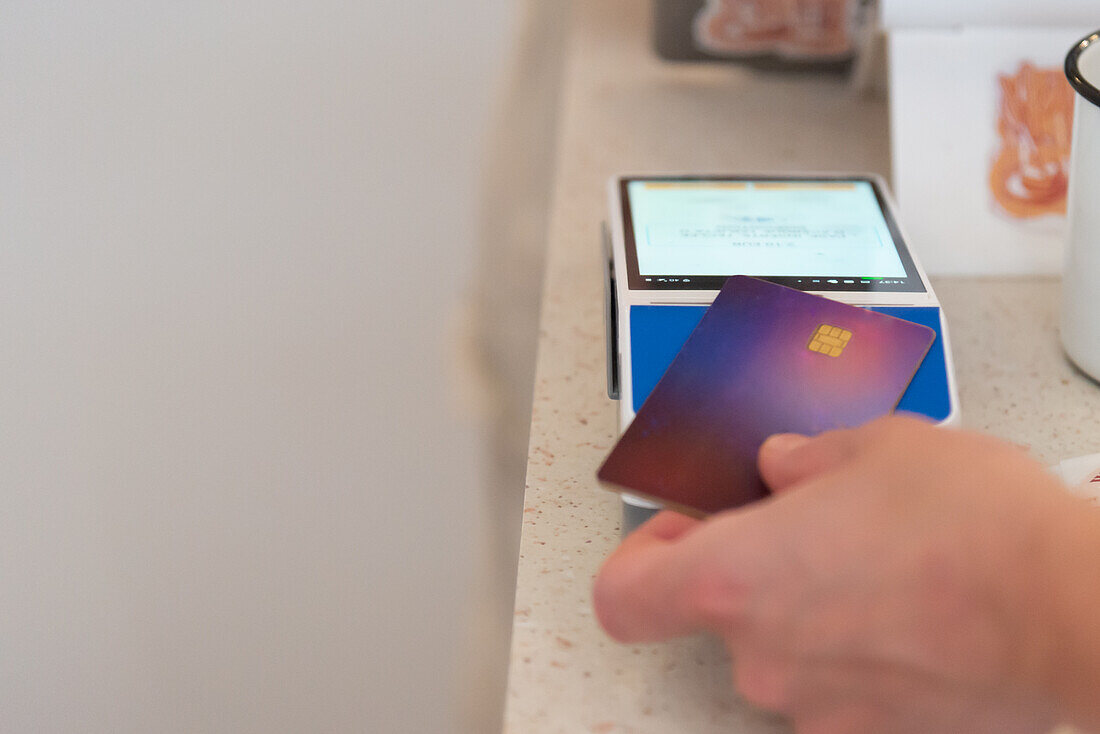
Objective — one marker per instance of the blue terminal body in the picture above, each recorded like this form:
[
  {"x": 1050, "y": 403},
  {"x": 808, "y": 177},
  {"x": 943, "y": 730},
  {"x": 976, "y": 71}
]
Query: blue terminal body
[{"x": 658, "y": 332}]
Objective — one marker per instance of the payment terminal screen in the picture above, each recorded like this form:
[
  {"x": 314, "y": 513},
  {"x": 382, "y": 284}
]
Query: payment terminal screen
[{"x": 809, "y": 234}]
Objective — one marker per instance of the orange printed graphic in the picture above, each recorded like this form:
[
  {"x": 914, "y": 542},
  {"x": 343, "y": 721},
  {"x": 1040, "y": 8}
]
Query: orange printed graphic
[
  {"x": 1030, "y": 173},
  {"x": 807, "y": 28}
]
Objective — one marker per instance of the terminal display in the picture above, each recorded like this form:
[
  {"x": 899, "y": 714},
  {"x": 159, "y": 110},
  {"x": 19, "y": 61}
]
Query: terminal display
[{"x": 826, "y": 234}]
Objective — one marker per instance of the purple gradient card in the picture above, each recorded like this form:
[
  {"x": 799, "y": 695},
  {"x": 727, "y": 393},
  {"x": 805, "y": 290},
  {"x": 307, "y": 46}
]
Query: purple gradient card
[{"x": 764, "y": 359}]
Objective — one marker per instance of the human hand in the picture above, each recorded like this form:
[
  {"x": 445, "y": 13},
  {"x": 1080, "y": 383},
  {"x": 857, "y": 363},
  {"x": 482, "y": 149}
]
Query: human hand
[{"x": 903, "y": 578}]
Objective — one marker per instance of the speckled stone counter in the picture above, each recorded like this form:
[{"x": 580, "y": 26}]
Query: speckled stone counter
[{"x": 624, "y": 111}]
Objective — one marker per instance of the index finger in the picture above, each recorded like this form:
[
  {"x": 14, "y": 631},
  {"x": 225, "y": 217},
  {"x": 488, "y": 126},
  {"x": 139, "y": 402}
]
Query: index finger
[{"x": 638, "y": 593}]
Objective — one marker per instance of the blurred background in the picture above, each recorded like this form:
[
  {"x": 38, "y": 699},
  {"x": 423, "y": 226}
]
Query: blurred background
[
  {"x": 255, "y": 372},
  {"x": 269, "y": 286}
]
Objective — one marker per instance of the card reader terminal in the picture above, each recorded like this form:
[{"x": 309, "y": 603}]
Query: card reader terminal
[{"x": 674, "y": 239}]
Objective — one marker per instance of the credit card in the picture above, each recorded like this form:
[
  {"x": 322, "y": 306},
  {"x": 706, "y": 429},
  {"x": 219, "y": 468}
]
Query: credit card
[{"x": 764, "y": 359}]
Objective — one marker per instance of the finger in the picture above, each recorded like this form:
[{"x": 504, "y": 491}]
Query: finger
[
  {"x": 787, "y": 459},
  {"x": 639, "y": 592},
  {"x": 763, "y": 680},
  {"x": 665, "y": 525},
  {"x": 841, "y": 719},
  {"x": 772, "y": 457}
]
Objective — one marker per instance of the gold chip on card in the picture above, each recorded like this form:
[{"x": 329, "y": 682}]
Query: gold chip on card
[{"x": 829, "y": 340}]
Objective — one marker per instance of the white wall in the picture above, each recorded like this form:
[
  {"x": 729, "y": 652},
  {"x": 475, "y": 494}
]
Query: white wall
[{"x": 229, "y": 497}]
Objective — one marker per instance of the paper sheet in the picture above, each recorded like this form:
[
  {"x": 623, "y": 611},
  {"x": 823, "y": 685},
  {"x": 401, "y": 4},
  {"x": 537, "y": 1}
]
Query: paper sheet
[{"x": 1025, "y": 13}]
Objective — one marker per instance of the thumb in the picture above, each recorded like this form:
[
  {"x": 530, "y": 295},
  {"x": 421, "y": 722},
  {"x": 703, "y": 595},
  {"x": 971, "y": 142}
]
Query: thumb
[{"x": 788, "y": 459}]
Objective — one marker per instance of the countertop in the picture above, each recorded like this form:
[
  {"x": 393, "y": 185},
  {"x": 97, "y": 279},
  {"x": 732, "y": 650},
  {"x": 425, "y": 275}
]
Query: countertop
[{"x": 625, "y": 111}]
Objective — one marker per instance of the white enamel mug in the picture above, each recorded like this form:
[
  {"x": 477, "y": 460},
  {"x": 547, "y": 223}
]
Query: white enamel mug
[{"x": 1081, "y": 281}]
